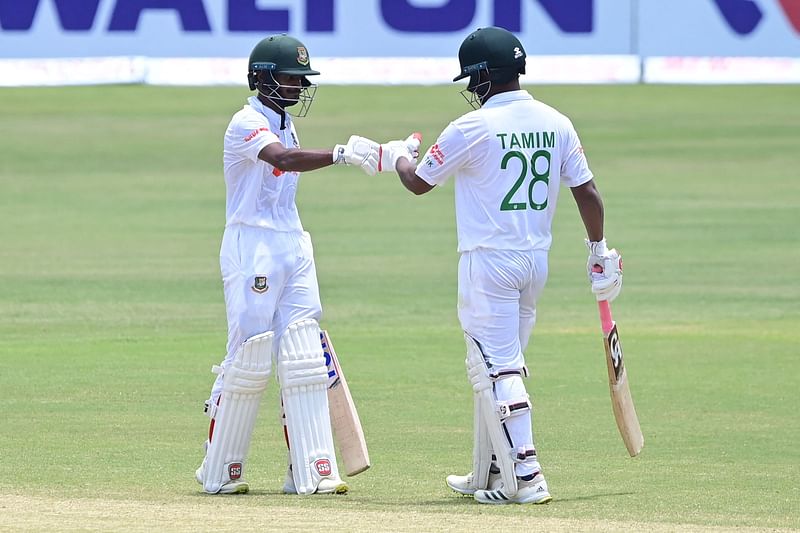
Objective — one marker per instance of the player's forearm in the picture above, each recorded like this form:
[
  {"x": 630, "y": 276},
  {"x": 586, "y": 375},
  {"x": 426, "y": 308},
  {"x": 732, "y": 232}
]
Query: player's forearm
[
  {"x": 408, "y": 177},
  {"x": 295, "y": 160},
  {"x": 590, "y": 207}
]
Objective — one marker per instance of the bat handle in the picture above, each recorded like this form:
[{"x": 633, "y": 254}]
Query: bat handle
[{"x": 605, "y": 315}]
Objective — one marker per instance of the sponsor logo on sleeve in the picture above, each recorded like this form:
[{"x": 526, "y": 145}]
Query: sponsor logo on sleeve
[
  {"x": 434, "y": 156},
  {"x": 253, "y": 134}
]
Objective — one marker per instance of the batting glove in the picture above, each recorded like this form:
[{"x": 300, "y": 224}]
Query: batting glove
[
  {"x": 391, "y": 152},
  {"x": 358, "y": 151},
  {"x": 605, "y": 270}
]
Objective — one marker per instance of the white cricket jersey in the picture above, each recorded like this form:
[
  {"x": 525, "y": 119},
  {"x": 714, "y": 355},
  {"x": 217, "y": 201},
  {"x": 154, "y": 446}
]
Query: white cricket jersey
[
  {"x": 258, "y": 194},
  {"x": 509, "y": 159}
]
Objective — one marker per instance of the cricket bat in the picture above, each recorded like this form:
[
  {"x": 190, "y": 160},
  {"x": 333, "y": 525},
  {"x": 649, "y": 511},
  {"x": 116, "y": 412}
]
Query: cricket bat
[
  {"x": 621, "y": 401},
  {"x": 347, "y": 431}
]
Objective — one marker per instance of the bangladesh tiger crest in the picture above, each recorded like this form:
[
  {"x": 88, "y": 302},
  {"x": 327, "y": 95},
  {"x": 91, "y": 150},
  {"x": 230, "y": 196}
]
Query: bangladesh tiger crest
[
  {"x": 260, "y": 284},
  {"x": 302, "y": 55}
]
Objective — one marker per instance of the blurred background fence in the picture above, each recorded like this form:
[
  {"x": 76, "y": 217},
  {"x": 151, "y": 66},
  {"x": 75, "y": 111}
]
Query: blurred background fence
[{"x": 206, "y": 42}]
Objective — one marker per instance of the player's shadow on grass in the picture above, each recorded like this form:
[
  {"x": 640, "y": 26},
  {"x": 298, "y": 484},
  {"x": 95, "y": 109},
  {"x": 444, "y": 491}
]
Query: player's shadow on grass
[
  {"x": 445, "y": 500},
  {"x": 252, "y": 492},
  {"x": 468, "y": 500},
  {"x": 593, "y": 496}
]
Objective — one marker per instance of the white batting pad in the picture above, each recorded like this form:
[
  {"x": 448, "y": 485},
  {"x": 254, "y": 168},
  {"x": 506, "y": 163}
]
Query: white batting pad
[
  {"x": 243, "y": 384},
  {"x": 304, "y": 387},
  {"x": 481, "y": 450},
  {"x": 492, "y": 417}
]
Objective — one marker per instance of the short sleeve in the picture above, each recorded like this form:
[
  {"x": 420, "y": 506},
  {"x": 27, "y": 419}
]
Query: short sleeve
[
  {"x": 445, "y": 157},
  {"x": 248, "y": 135},
  {"x": 574, "y": 167}
]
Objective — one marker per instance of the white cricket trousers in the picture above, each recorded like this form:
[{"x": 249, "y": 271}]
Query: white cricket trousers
[
  {"x": 497, "y": 294},
  {"x": 270, "y": 281}
]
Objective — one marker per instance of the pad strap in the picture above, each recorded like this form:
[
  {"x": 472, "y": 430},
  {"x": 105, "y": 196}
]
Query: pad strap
[
  {"x": 521, "y": 406},
  {"x": 521, "y": 372},
  {"x": 525, "y": 454}
]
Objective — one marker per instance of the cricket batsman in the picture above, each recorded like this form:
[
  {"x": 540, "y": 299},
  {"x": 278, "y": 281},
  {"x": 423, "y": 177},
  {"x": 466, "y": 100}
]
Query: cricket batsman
[
  {"x": 269, "y": 277},
  {"x": 509, "y": 157}
]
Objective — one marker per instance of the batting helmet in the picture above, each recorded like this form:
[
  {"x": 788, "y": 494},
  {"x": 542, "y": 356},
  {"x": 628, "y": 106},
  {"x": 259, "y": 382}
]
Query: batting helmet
[
  {"x": 492, "y": 49},
  {"x": 280, "y": 54}
]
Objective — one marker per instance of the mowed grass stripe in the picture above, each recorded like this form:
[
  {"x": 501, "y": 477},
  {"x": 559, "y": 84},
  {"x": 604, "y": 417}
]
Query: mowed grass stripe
[{"x": 111, "y": 312}]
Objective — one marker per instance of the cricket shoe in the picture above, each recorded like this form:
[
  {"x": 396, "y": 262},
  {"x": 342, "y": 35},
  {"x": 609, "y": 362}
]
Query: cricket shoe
[
  {"x": 238, "y": 486},
  {"x": 530, "y": 491},
  {"x": 326, "y": 485},
  {"x": 463, "y": 484}
]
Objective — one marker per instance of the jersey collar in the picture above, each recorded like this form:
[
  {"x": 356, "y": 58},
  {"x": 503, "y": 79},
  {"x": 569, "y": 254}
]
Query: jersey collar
[
  {"x": 508, "y": 96},
  {"x": 268, "y": 112}
]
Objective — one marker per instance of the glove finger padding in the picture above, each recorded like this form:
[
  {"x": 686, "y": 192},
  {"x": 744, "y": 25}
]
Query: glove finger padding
[
  {"x": 605, "y": 270},
  {"x": 392, "y": 151},
  {"x": 358, "y": 151},
  {"x": 412, "y": 142}
]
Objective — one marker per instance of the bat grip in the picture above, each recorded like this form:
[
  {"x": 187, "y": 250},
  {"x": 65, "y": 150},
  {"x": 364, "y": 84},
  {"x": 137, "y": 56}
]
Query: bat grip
[{"x": 606, "y": 319}]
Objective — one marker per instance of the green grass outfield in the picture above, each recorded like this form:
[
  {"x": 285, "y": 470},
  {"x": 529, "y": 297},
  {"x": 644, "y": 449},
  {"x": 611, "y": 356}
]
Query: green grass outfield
[{"x": 111, "y": 315}]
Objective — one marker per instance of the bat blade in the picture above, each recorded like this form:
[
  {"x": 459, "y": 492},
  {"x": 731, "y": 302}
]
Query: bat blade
[
  {"x": 346, "y": 424},
  {"x": 621, "y": 400}
]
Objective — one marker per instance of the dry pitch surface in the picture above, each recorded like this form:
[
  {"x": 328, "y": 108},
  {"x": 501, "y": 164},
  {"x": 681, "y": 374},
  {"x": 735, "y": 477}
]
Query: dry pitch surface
[{"x": 40, "y": 513}]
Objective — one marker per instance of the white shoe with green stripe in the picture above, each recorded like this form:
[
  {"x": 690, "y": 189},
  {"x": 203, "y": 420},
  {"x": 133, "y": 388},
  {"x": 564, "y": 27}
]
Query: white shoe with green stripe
[{"x": 531, "y": 491}]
